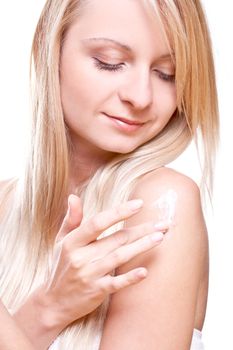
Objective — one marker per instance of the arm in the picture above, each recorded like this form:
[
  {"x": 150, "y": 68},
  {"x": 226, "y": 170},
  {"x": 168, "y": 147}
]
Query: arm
[
  {"x": 11, "y": 337},
  {"x": 159, "y": 312}
]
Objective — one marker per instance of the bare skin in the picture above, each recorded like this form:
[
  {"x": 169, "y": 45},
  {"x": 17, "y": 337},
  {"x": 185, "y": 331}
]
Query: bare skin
[{"x": 11, "y": 337}]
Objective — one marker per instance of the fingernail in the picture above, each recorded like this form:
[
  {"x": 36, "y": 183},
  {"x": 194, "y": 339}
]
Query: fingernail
[
  {"x": 71, "y": 197},
  {"x": 157, "y": 236},
  {"x": 135, "y": 204},
  {"x": 141, "y": 272},
  {"x": 162, "y": 226}
]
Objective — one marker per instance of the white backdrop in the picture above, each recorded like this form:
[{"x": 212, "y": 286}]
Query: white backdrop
[{"x": 17, "y": 24}]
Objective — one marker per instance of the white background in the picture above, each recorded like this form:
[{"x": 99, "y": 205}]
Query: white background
[{"x": 17, "y": 24}]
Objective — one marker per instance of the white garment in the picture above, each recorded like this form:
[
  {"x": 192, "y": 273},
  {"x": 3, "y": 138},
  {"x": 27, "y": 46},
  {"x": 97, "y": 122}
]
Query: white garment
[{"x": 197, "y": 343}]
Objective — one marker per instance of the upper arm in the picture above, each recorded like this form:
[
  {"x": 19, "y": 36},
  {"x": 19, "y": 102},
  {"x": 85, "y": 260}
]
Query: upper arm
[{"x": 159, "y": 312}]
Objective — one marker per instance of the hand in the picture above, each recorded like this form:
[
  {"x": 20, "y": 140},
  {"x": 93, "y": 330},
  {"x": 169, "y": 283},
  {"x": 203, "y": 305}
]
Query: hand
[{"x": 81, "y": 276}]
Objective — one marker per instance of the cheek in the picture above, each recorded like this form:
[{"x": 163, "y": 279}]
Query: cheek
[
  {"x": 166, "y": 103},
  {"x": 83, "y": 88},
  {"x": 74, "y": 88}
]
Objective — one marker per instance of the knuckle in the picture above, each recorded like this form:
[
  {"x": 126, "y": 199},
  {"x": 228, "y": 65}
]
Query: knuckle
[
  {"x": 130, "y": 278},
  {"x": 72, "y": 257},
  {"x": 103, "y": 289},
  {"x": 112, "y": 286},
  {"x": 96, "y": 223},
  {"x": 116, "y": 257},
  {"x": 121, "y": 237},
  {"x": 83, "y": 279},
  {"x": 75, "y": 262},
  {"x": 65, "y": 248},
  {"x": 109, "y": 285}
]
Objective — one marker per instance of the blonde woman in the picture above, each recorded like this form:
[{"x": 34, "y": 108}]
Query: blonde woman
[{"x": 120, "y": 88}]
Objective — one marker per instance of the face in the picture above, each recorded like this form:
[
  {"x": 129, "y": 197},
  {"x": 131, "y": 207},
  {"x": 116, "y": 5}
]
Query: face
[{"x": 116, "y": 76}]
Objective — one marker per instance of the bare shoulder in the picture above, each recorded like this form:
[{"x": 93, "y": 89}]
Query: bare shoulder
[
  {"x": 169, "y": 195},
  {"x": 164, "y": 179},
  {"x": 173, "y": 198}
]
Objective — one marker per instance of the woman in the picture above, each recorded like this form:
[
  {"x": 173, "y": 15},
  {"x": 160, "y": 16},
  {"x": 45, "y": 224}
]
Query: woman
[{"x": 120, "y": 89}]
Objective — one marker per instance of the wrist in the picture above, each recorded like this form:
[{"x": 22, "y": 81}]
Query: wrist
[
  {"x": 38, "y": 319},
  {"x": 48, "y": 312}
]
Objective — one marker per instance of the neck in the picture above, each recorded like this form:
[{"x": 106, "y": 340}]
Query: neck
[{"x": 85, "y": 160}]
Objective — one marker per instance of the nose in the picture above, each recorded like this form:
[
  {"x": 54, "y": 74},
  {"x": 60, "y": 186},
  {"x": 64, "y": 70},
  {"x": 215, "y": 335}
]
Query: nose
[{"x": 137, "y": 90}]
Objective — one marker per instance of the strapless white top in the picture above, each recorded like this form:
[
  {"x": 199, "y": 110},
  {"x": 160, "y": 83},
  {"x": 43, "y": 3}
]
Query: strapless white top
[{"x": 197, "y": 343}]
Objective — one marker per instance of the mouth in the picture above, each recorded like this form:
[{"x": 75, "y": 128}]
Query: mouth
[{"x": 124, "y": 123}]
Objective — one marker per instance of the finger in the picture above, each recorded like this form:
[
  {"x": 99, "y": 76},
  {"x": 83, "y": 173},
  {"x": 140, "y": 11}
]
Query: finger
[
  {"x": 106, "y": 245},
  {"x": 124, "y": 254},
  {"x": 111, "y": 284},
  {"x": 73, "y": 217},
  {"x": 92, "y": 228}
]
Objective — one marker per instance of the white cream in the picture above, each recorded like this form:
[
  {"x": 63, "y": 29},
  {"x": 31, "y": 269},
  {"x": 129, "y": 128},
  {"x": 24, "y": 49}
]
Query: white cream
[{"x": 166, "y": 204}]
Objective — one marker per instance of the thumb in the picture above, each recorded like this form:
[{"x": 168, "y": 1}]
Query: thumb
[{"x": 73, "y": 217}]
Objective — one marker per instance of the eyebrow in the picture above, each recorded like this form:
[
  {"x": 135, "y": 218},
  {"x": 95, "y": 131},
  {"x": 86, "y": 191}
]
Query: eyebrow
[
  {"x": 123, "y": 46},
  {"x": 163, "y": 57},
  {"x": 166, "y": 57}
]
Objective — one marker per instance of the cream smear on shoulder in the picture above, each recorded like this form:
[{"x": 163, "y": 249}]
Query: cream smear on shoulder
[{"x": 165, "y": 205}]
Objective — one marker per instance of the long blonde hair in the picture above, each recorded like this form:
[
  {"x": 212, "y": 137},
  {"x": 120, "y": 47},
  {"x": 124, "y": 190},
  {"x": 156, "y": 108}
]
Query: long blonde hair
[{"x": 31, "y": 204}]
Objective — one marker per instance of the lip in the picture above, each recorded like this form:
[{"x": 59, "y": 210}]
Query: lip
[
  {"x": 125, "y": 120},
  {"x": 124, "y": 124}
]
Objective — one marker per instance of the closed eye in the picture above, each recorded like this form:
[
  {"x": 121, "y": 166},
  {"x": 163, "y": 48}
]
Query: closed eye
[
  {"x": 101, "y": 65},
  {"x": 166, "y": 77},
  {"x": 107, "y": 66}
]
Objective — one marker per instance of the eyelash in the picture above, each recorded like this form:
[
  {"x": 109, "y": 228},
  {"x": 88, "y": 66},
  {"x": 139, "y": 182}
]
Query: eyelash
[
  {"x": 117, "y": 67},
  {"x": 106, "y": 66},
  {"x": 170, "y": 78}
]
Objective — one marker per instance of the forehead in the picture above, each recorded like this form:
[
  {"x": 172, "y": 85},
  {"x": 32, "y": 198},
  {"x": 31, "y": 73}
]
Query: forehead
[{"x": 133, "y": 22}]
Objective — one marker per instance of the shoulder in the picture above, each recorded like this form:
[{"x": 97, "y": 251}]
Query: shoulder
[
  {"x": 174, "y": 199},
  {"x": 164, "y": 179},
  {"x": 169, "y": 195}
]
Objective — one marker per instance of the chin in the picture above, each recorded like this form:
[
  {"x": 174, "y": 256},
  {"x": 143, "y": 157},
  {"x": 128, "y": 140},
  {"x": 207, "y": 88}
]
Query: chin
[{"x": 122, "y": 149}]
